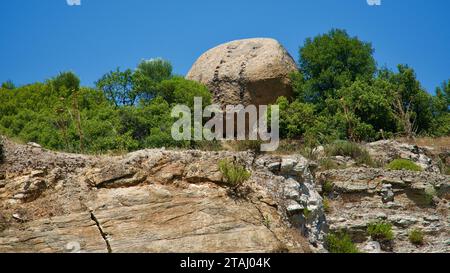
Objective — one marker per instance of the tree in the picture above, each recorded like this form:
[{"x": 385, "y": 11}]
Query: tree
[
  {"x": 65, "y": 83},
  {"x": 332, "y": 61},
  {"x": 118, "y": 87},
  {"x": 411, "y": 104},
  {"x": 148, "y": 75},
  {"x": 8, "y": 85},
  {"x": 156, "y": 70},
  {"x": 178, "y": 90},
  {"x": 441, "y": 110}
]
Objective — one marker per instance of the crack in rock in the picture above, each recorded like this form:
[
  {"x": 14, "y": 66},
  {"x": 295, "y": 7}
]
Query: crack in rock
[{"x": 102, "y": 232}]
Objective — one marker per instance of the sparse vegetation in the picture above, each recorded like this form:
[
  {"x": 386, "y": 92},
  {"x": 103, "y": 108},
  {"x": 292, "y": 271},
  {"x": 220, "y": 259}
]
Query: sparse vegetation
[
  {"x": 327, "y": 164},
  {"x": 306, "y": 213},
  {"x": 267, "y": 221},
  {"x": 249, "y": 145},
  {"x": 403, "y": 164},
  {"x": 416, "y": 237},
  {"x": 380, "y": 231},
  {"x": 350, "y": 149},
  {"x": 326, "y": 205},
  {"x": 327, "y": 188},
  {"x": 205, "y": 145},
  {"x": 340, "y": 242},
  {"x": 430, "y": 193},
  {"x": 234, "y": 174}
]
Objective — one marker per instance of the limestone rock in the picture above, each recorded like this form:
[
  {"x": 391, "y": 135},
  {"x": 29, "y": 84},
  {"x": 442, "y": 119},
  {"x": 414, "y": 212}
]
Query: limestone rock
[
  {"x": 146, "y": 201},
  {"x": 251, "y": 71}
]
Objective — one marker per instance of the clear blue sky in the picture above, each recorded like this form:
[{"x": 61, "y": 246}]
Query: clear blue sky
[{"x": 41, "y": 38}]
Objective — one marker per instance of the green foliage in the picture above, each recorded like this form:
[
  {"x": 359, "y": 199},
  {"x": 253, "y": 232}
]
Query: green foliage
[
  {"x": 340, "y": 94},
  {"x": 61, "y": 115},
  {"x": 178, "y": 90},
  {"x": 249, "y": 145},
  {"x": 327, "y": 188},
  {"x": 340, "y": 243},
  {"x": 416, "y": 237},
  {"x": 332, "y": 61},
  {"x": 233, "y": 173},
  {"x": 118, "y": 87},
  {"x": 327, "y": 164},
  {"x": 306, "y": 213},
  {"x": 430, "y": 193},
  {"x": 65, "y": 83},
  {"x": 148, "y": 76},
  {"x": 8, "y": 85},
  {"x": 350, "y": 149},
  {"x": 326, "y": 205},
  {"x": 403, "y": 164},
  {"x": 295, "y": 118},
  {"x": 380, "y": 231}
]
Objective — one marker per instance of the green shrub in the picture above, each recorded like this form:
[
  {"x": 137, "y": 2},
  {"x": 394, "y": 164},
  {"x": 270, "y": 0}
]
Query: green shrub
[
  {"x": 327, "y": 164},
  {"x": 403, "y": 164},
  {"x": 350, "y": 149},
  {"x": 430, "y": 193},
  {"x": 326, "y": 205},
  {"x": 327, "y": 187},
  {"x": 233, "y": 174},
  {"x": 206, "y": 145},
  {"x": 307, "y": 213},
  {"x": 249, "y": 145},
  {"x": 416, "y": 237},
  {"x": 340, "y": 243},
  {"x": 380, "y": 231}
]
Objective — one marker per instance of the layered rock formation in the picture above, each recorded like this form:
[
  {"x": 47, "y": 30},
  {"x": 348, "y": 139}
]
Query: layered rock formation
[
  {"x": 176, "y": 201},
  {"x": 147, "y": 201},
  {"x": 406, "y": 199},
  {"x": 251, "y": 71}
]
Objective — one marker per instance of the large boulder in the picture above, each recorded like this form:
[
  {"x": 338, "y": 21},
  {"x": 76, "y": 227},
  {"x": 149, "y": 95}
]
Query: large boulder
[{"x": 251, "y": 71}]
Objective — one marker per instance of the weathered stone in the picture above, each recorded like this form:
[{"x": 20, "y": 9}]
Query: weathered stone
[
  {"x": 148, "y": 201},
  {"x": 251, "y": 71}
]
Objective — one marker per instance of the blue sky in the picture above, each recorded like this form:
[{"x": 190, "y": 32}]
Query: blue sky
[{"x": 40, "y": 38}]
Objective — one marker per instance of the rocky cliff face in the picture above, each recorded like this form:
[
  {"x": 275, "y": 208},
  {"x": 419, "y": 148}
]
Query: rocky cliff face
[
  {"x": 147, "y": 201},
  {"x": 175, "y": 201},
  {"x": 407, "y": 200}
]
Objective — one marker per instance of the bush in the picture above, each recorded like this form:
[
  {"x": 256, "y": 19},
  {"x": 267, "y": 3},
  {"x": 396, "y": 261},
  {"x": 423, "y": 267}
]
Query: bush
[
  {"x": 327, "y": 188},
  {"x": 430, "y": 193},
  {"x": 416, "y": 237},
  {"x": 249, "y": 145},
  {"x": 380, "y": 231},
  {"x": 350, "y": 149},
  {"x": 233, "y": 174},
  {"x": 326, "y": 205},
  {"x": 340, "y": 243},
  {"x": 403, "y": 164},
  {"x": 327, "y": 164}
]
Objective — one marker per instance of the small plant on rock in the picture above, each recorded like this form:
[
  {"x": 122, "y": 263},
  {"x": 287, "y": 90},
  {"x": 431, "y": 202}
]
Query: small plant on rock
[
  {"x": 326, "y": 205},
  {"x": 350, "y": 149},
  {"x": 416, "y": 237},
  {"x": 327, "y": 188},
  {"x": 403, "y": 165},
  {"x": 380, "y": 231},
  {"x": 233, "y": 174},
  {"x": 340, "y": 242}
]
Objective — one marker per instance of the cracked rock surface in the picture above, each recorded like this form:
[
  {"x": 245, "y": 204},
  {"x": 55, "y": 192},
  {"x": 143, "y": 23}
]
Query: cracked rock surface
[
  {"x": 250, "y": 71},
  {"x": 146, "y": 201}
]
